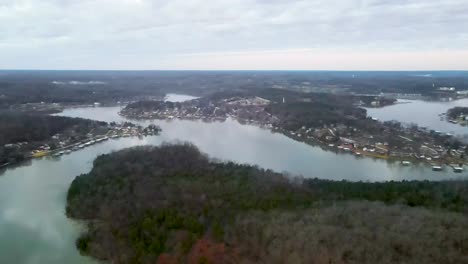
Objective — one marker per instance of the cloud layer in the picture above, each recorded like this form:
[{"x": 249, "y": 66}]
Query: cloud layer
[{"x": 196, "y": 34}]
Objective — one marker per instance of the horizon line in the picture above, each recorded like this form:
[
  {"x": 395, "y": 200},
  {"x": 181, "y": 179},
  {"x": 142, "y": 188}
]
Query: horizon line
[{"x": 236, "y": 70}]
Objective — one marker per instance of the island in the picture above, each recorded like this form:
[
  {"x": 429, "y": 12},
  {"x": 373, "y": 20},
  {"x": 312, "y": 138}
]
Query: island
[
  {"x": 457, "y": 115},
  {"x": 334, "y": 122},
  {"x": 32, "y": 135},
  {"x": 174, "y": 204}
]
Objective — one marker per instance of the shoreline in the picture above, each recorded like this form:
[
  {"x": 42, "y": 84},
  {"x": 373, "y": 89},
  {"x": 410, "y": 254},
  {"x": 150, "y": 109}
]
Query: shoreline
[
  {"x": 135, "y": 131},
  {"x": 312, "y": 141}
]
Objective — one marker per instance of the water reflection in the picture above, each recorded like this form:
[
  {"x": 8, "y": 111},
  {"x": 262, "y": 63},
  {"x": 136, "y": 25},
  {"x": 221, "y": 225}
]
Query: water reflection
[
  {"x": 33, "y": 225},
  {"x": 230, "y": 140},
  {"x": 425, "y": 114}
]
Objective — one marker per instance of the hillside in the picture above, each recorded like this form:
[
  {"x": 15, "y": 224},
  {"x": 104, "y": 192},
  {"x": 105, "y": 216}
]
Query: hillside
[{"x": 173, "y": 204}]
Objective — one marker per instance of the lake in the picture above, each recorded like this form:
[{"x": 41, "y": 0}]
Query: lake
[
  {"x": 33, "y": 225},
  {"x": 230, "y": 140},
  {"x": 423, "y": 113}
]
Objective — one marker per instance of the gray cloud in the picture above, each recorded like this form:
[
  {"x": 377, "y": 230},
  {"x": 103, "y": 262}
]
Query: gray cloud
[{"x": 136, "y": 33}]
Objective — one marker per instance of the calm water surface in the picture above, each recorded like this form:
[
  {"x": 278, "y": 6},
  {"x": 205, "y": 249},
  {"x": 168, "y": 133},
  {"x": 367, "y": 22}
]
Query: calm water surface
[
  {"x": 230, "y": 140},
  {"x": 33, "y": 226},
  {"x": 425, "y": 114}
]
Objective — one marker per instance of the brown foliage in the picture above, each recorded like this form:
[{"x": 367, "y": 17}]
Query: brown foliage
[
  {"x": 352, "y": 232},
  {"x": 207, "y": 251}
]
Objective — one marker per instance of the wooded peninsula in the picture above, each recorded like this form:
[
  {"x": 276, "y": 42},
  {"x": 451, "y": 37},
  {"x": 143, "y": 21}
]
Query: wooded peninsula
[
  {"x": 30, "y": 135},
  {"x": 173, "y": 204}
]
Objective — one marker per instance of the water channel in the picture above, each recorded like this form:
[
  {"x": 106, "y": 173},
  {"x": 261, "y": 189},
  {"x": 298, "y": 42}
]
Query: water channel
[{"x": 33, "y": 225}]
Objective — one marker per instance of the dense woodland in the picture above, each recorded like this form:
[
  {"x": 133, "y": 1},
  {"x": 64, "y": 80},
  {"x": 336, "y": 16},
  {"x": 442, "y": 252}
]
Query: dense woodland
[
  {"x": 172, "y": 204},
  {"x": 36, "y": 91},
  {"x": 317, "y": 113},
  {"x": 145, "y": 106},
  {"x": 16, "y": 128}
]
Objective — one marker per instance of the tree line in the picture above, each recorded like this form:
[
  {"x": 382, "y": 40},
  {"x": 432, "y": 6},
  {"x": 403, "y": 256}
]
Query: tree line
[
  {"x": 20, "y": 133},
  {"x": 149, "y": 204}
]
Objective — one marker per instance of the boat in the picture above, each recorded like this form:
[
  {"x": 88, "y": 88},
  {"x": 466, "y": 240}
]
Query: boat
[
  {"x": 67, "y": 151},
  {"x": 458, "y": 169},
  {"x": 39, "y": 154},
  {"x": 405, "y": 163},
  {"x": 437, "y": 168}
]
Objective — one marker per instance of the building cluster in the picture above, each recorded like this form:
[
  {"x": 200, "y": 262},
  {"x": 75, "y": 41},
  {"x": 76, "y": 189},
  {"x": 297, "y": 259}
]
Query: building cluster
[
  {"x": 401, "y": 142},
  {"x": 67, "y": 142},
  {"x": 250, "y": 109},
  {"x": 415, "y": 145}
]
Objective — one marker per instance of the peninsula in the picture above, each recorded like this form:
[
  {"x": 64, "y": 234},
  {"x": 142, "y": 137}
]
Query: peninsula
[
  {"x": 173, "y": 204},
  {"x": 28, "y": 135},
  {"x": 335, "y": 122}
]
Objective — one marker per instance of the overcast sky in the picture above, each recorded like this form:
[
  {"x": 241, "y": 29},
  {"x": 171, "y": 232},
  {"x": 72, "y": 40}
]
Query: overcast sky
[{"x": 234, "y": 34}]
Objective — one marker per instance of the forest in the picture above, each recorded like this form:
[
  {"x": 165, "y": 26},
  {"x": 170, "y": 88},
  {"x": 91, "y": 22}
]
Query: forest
[
  {"x": 317, "y": 112},
  {"x": 174, "y": 204},
  {"x": 16, "y": 128},
  {"x": 144, "y": 106}
]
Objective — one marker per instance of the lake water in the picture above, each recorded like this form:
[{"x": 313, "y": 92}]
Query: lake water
[
  {"x": 178, "y": 97},
  {"x": 33, "y": 225},
  {"x": 425, "y": 114},
  {"x": 230, "y": 140}
]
